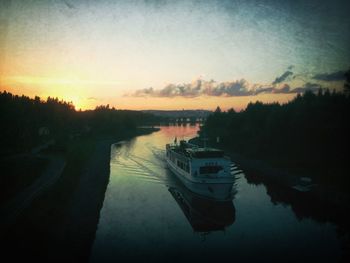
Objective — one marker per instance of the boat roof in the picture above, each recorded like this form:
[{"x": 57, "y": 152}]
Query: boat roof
[
  {"x": 198, "y": 152},
  {"x": 205, "y": 152}
]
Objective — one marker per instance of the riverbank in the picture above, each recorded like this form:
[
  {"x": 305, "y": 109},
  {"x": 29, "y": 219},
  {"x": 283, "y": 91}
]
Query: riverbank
[
  {"x": 263, "y": 172},
  {"x": 23, "y": 197},
  {"x": 60, "y": 225},
  {"x": 19, "y": 172}
]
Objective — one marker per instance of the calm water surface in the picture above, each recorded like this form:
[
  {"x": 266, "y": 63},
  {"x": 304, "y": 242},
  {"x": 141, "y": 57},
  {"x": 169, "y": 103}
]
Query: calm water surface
[{"x": 148, "y": 215}]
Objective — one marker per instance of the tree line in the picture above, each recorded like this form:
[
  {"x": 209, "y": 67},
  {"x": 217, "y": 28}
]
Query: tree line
[
  {"x": 27, "y": 122},
  {"x": 309, "y": 134}
]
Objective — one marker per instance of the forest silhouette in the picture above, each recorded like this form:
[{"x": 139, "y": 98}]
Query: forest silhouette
[
  {"x": 28, "y": 122},
  {"x": 309, "y": 135}
]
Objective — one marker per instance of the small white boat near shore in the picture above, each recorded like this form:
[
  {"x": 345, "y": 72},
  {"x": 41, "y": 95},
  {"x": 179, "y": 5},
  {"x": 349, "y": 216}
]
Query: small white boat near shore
[
  {"x": 205, "y": 171},
  {"x": 304, "y": 185}
]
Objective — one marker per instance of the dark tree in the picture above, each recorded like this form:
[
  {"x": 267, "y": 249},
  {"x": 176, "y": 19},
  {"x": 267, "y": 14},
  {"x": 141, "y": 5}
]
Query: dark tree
[{"x": 347, "y": 82}]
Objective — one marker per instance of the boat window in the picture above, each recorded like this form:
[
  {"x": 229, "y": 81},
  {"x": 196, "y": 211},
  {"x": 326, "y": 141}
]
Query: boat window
[
  {"x": 183, "y": 166},
  {"x": 210, "y": 169}
]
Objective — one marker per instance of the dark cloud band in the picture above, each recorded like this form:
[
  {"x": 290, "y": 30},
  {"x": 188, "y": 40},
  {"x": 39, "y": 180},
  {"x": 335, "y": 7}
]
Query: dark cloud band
[
  {"x": 224, "y": 89},
  {"x": 283, "y": 77},
  {"x": 334, "y": 76}
]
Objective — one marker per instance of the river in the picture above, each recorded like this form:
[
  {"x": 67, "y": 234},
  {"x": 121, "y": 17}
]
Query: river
[{"x": 149, "y": 215}]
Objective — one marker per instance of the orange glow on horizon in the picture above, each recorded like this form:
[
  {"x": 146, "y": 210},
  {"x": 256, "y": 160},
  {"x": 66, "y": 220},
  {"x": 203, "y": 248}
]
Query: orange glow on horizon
[
  {"x": 83, "y": 102},
  {"x": 201, "y": 102}
]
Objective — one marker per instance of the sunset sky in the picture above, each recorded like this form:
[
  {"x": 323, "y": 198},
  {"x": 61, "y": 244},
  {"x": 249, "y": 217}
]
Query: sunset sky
[{"x": 172, "y": 54}]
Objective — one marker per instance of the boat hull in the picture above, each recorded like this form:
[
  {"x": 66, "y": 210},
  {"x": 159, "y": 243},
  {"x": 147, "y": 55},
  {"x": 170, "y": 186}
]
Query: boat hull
[{"x": 216, "y": 189}]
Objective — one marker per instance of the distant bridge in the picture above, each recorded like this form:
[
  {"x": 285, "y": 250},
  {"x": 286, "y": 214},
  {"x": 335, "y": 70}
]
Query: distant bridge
[
  {"x": 186, "y": 119},
  {"x": 181, "y": 116}
]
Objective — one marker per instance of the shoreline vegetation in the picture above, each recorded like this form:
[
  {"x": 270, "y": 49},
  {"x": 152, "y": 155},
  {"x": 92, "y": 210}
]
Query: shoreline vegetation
[
  {"x": 306, "y": 137},
  {"x": 60, "y": 223}
]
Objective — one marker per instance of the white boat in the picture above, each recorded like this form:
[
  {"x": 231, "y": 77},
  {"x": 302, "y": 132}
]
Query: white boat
[{"x": 204, "y": 171}]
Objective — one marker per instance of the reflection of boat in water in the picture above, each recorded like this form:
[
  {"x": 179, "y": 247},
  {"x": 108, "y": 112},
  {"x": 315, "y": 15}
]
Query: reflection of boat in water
[
  {"x": 205, "y": 171},
  {"x": 203, "y": 214}
]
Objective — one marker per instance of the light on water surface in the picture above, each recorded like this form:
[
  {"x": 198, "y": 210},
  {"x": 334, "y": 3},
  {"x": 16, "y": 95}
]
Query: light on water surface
[{"x": 142, "y": 218}]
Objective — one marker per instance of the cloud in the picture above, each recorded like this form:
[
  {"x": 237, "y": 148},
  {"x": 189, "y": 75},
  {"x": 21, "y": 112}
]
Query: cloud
[
  {"x": 283, "y": 77},
  {"x": 171, "y": 90},
  {"x": 199, "y": 87},
  {"x": 144, "y": 92},
  {"x": 334, "y": 76},
  {"x": 235, "y": 88},
  {"x": 229, "y": 89},
  {"x": 307, "y": 87},
  {"x": 285, "y": 88}
]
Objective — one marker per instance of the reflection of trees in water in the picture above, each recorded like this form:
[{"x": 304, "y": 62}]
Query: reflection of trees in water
[{"x": 306, "y": 205}]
